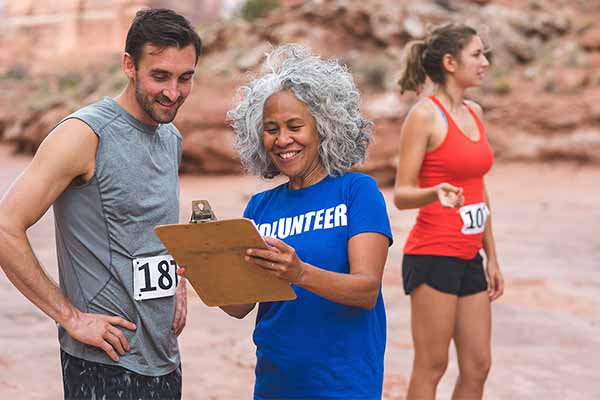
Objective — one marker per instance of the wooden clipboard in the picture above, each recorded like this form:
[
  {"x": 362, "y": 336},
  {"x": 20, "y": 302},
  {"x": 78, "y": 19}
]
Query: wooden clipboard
[{"x": 213, "y": 255}]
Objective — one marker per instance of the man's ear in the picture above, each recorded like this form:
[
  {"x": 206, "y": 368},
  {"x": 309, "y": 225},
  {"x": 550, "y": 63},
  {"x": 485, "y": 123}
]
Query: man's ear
[
  {"x": 127, "y": 65},
  {"x": 449, "y": 62}
]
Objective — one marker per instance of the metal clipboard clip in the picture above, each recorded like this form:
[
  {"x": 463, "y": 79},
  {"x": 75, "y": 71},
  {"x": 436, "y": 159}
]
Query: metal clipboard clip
[{"x": 201, "y": 212}]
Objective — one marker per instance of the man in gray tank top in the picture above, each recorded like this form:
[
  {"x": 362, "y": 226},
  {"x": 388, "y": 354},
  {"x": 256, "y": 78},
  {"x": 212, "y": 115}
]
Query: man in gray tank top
[{"x": 110, "y": 171}]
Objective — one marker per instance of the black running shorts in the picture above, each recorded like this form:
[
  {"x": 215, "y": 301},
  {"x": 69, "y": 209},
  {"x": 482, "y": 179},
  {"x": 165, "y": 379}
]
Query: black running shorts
[
  {"x": 447, "y": 274},
  {"x": 84, "y": 379}
]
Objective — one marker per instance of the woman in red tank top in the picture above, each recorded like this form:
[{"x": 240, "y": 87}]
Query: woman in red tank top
[{"x": 444, "y": 155}]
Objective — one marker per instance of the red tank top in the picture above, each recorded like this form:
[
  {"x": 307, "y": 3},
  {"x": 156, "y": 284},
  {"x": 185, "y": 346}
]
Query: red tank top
[{"x": 462, "y": 162}]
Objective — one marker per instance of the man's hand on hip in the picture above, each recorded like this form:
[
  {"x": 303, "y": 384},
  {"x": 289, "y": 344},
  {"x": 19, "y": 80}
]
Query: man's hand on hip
[{"x": 100, "y": 331}]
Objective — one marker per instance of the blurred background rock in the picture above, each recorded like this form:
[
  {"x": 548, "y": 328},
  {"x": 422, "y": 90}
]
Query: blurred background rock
[{"x": 541, "y": 96}]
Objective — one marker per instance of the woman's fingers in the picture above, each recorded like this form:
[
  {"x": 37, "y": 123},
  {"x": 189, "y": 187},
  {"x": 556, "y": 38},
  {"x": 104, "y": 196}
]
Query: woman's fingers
[
  {"x": 498, "y": 286},
  {"x": 265, "y": 264},
  {"x": 491, "y": 287},
  {"x": 280, "y": 259},
  {"x": 263, "y": 253},
  {"x": 450, "y": 196},
  {"x": 450, "y": 200},
  {"x": 460, "y": 198},
  {"x": 446, "y": 187},
  {"x": 278, "y": 244}
]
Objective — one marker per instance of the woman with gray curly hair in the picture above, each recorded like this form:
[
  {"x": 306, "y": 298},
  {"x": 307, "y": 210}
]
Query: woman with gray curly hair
[{"x": 327, "y": 228}]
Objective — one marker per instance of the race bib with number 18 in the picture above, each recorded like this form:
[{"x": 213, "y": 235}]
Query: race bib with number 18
[
  {"x": 154, "y": 277},
  {"x": 474, "y": 217}
]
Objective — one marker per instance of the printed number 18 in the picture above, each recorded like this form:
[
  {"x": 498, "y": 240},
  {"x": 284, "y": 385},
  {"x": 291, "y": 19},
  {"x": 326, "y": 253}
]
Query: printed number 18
[{"x": 163, "y": 268}]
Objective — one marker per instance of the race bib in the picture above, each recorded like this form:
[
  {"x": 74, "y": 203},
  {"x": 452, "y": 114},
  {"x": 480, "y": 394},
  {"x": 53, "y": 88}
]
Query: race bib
[
  {"x": 474, "y": 217},
  {"x": 154, "y": 277}
]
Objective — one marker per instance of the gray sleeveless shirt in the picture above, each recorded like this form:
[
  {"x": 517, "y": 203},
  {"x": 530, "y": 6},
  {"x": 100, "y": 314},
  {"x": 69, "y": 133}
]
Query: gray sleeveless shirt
[{"x": 103, "y": 225}]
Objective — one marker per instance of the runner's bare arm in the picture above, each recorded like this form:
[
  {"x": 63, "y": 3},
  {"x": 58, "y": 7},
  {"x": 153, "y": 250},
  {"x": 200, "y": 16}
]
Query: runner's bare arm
[
  {"x": 66, "y": 154},
  {"x": 414, "y": 143},
  {"x": 367, "y": 253},
  {"x": 494, "y": 275}
]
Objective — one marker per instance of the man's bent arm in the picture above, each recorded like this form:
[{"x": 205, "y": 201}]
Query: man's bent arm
[
  {"x": 63, "y": 156},
  {"x": 67, "y": 153}
]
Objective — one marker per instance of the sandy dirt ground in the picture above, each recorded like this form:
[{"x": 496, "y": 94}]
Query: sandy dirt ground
[{"x": 546, "y": 336}]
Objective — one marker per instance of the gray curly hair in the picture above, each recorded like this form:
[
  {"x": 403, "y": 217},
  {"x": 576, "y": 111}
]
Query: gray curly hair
[{"x": 326, "y": 87}]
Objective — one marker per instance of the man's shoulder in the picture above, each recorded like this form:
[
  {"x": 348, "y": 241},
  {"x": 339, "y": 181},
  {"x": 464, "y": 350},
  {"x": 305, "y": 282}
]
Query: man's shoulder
[
  {"x": 171, "y": 129},
  {"x": 96, "y": 115},
  {"x": 100, "y": 106}
]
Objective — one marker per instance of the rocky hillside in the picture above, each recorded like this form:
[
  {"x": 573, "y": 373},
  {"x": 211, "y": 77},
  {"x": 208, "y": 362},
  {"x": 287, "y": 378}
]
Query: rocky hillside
[{"x": 540, "y": 97}]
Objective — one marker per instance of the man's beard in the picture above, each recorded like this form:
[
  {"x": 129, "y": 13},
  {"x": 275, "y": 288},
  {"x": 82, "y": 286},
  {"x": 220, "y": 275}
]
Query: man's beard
[{"x": 147, "y": 104}]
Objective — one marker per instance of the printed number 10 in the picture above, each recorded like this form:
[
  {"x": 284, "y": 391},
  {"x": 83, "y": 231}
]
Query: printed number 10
[{"x": 478, "y": 219}]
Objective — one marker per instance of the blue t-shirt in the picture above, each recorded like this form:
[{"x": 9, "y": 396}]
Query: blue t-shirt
[{"x": 311, "y": 347}]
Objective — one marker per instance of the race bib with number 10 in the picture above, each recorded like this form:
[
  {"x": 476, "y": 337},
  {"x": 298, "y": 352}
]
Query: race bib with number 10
[
  {"x": 474, "y": 217},
  {"x": 154, "y": 277}
]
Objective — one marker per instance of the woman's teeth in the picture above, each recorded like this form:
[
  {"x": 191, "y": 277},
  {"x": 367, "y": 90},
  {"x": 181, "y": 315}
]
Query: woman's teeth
[{"x": 287, "y": 155}]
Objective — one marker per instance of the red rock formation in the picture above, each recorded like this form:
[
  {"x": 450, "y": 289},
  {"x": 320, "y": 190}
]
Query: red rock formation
[
  {"x": 37, "y": 33},
  {"x": 540, "y": 94}
]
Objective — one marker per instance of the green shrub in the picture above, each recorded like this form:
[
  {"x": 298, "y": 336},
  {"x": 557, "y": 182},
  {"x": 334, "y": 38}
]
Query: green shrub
[
  {"x": 502, "y": 86},
  {"x": 16, "y": 73},
  {"x": 69, "y": 81},
  {"x": 375, "y": 75}
]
